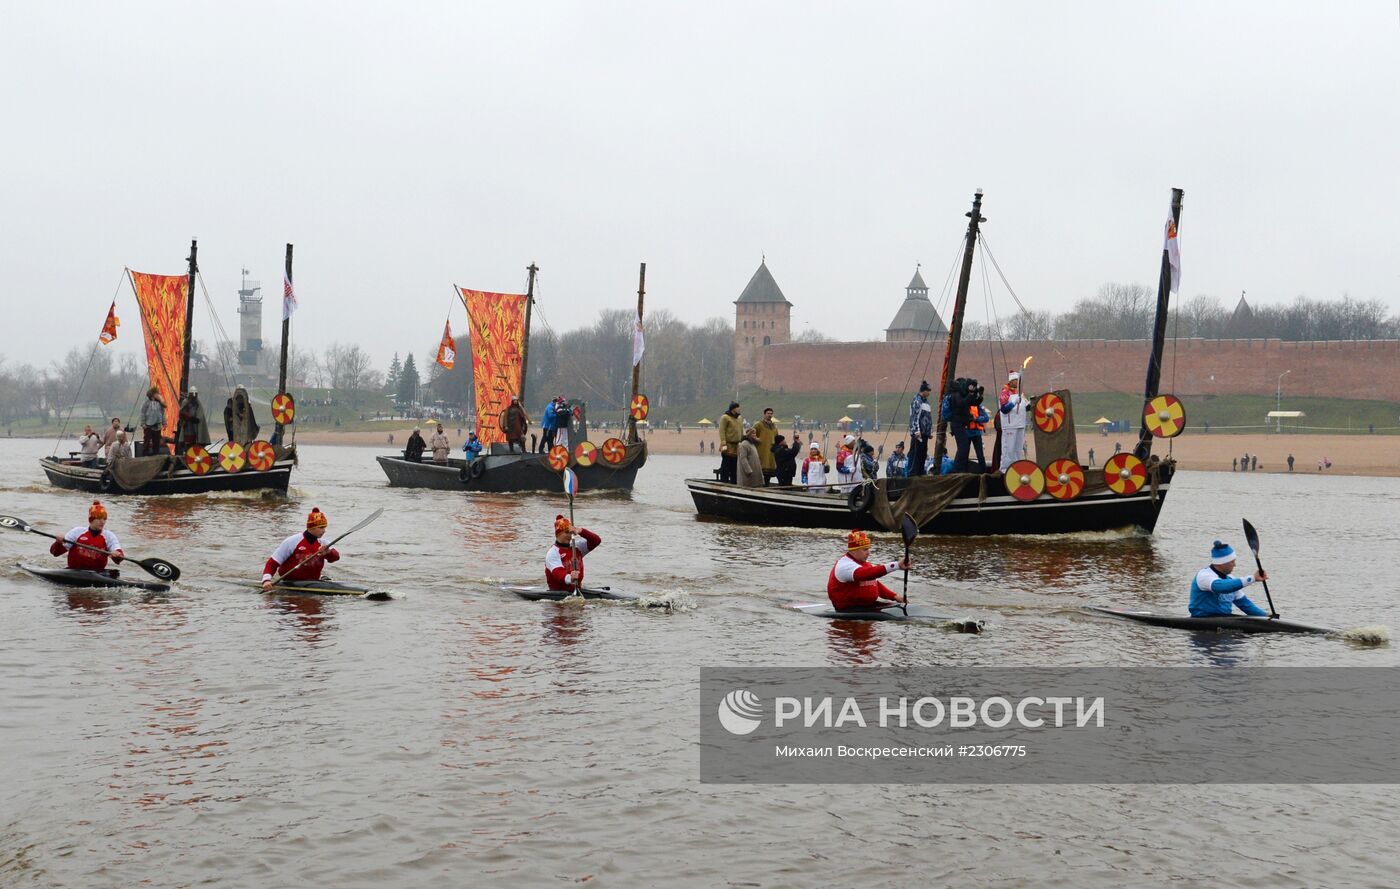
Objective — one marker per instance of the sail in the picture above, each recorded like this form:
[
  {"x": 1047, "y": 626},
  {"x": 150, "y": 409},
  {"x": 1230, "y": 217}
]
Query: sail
[
  {"x": 497, "y": 325},
  {"x": 162, "y": 299}
]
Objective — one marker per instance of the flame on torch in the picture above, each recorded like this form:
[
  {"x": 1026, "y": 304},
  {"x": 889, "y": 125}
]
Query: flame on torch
[{"x": 1027, "y": 363}]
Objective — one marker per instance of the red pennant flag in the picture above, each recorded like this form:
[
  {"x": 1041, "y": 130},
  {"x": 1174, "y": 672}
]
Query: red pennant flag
[
  {"x": 447, "y": 349},
  {"x": 109, "y": 327}
]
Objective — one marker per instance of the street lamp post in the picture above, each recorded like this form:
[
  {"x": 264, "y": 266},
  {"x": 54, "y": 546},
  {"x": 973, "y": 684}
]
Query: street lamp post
[
  {"x": 877, "y": 402},
  {"x": 1278, "y": 402}
]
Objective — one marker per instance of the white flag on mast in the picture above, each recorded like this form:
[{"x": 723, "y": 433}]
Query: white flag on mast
[
  {"x": 1173, "y": 253},
  {"x": 289, "y": 298},
  {"x": 639, "y": 344}
]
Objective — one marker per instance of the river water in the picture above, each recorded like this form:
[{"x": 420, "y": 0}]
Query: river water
[{"x": 458, "y": 736}]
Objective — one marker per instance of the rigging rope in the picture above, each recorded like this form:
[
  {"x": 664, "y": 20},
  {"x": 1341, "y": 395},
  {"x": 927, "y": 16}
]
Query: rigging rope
[{"x": 63, "y": 430}]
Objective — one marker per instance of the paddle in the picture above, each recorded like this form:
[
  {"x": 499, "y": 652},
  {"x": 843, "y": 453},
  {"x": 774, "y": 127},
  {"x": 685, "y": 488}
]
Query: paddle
[
  {"x": 157, "y": 568},
  {"x": 1253, "y": 537},
  {"x": 910, "y": 531},
  {"x": 571, "y": 488},
  {"x": 325, "y": 546}
]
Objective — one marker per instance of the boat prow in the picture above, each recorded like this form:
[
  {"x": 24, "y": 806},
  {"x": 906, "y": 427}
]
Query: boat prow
[{"x": 1239, "y": 623}]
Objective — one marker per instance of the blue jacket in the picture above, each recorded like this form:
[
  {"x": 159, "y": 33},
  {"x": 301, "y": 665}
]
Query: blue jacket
[
  {"x": 897, "y": 466},
  {"x": 547, "y": 418},
  {"x": 471, "y": 449},
  {"x": 920, "y": 416},
  {"x": 1216, "y": 596}
]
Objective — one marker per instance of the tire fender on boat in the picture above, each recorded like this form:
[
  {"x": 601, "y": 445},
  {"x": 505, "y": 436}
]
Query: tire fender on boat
[
  {"x": 104, "y": 481},
  {"x": 473, "y": 470},
  {"x": 861, "y": 498}
]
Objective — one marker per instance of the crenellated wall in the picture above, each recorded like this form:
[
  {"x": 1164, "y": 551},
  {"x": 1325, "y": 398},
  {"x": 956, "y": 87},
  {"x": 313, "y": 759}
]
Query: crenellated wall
[{"x": 1350, "y": 369}]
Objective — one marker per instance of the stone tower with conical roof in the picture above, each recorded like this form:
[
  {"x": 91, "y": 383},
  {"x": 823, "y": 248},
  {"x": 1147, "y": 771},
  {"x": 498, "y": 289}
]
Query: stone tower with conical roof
[
  {"x": 1242, "y": 324},
  {"x": 916, "y": 320},
  {"x": 762, "y": 317}
]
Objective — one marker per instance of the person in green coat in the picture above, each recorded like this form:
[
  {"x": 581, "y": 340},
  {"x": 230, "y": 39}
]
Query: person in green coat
[{"x": 767, "y": 431}]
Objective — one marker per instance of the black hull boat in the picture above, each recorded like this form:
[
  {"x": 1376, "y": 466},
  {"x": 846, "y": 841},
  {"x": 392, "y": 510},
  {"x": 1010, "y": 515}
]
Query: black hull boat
[
  {"x": 1055, "y": 494},
  {"x": 970, "y": 512},
  {"x": 511, "y": 473},
  {"x": 169, "y": 477}
]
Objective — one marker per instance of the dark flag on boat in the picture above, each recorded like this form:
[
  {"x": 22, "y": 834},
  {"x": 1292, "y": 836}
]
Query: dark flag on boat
[
  {"x": 109, "y": 327},
  {"x": 447, "y": 349}
]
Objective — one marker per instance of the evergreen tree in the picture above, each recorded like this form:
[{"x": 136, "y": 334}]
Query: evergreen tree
[
  {"x": 407, "y": 382},
  {"x": 391, "y": 380}
]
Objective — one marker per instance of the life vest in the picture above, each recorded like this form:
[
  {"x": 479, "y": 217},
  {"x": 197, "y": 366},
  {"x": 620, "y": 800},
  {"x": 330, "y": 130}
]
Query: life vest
[{"x": 976, "y": 424}]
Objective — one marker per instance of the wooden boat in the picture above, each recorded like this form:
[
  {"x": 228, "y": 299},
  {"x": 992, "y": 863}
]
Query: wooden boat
[
  {"x": 986, "y": 504},
  {"x": 498, "y": 322},
  {"x": 167, "y": 313}
]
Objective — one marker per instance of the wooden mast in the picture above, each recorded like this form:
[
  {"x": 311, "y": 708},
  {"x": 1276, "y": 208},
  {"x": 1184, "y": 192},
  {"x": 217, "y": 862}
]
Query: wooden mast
[
  {"x": 189, "y": 324},
  {"x": 525, "y": 340},
  {"x": 286, "y": 335},
  {"x": 632, "y": 437},
  {"x": 1159, "y": 331},
  {"x": 950, "y": 356}
]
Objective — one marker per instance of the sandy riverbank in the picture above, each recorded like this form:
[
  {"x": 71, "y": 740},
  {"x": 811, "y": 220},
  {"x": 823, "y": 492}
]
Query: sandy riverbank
[{"x": 1374, "y": 455}]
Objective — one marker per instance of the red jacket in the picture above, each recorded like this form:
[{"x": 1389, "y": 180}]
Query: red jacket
[
  {"x": 853, "y": 584},
  {"x": 559, "y": 561},
  {"x": 86, "y": 559},
  {"x": 293, "y": 550}
]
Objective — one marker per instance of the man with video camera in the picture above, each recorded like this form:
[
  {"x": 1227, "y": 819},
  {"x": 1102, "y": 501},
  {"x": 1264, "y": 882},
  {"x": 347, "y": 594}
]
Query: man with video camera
[{"x": 967, "y": 420}]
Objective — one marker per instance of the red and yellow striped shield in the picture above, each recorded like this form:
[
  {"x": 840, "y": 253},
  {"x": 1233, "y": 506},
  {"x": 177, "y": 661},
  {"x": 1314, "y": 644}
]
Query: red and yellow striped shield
[
  {"x": 1064, "y": 479},
  {"x": 261, "y": 456},
  {"x": 585, "y": 454},
  {"x": 614, "y": 451},
  {"x": 1124, "y": 474},
  {"x": 284, "y": 408},
  {"x": 1049, "y": 412}
]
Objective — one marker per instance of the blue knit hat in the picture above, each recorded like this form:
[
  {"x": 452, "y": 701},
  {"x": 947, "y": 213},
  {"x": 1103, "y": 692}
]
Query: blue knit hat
[{"x": 1221, "y": 553}]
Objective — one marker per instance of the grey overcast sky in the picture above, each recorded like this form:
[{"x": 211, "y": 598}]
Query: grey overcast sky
[{"x": 406, "y": 147}]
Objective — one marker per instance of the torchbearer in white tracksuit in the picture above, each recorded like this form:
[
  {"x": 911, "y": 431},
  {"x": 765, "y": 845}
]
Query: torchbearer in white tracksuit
[{"x": 1013, "y": 421}]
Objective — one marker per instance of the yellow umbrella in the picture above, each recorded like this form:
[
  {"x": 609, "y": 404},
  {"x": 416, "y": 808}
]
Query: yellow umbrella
[
  {"x": 845, "y": 420},
  {"x": 1102, "y": 420},
  {"x": 704, "y": 421}
]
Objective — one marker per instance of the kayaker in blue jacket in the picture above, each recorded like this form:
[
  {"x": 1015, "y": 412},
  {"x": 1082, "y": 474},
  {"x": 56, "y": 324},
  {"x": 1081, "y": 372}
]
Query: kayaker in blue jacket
[{"x": 1214, "y": 593}]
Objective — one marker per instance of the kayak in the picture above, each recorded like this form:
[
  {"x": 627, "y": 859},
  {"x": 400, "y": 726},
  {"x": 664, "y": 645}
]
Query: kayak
[
  {"x": 325, "y": 587},
  {"x": 545, "y": 594},
  {"x": 77, "y": 577},
  {"x": 1240, "y": 623},
  {"x": 917, "y": 614}
]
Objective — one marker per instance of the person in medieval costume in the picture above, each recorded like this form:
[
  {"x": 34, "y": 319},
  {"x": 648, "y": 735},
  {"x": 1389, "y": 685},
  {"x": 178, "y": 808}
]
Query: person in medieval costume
[
  {"x": 514, "y": 423},
  {"x": 239, "y": 423},
  {"x": 194, "y": 426},
  {"x": 152, "y": 422}
]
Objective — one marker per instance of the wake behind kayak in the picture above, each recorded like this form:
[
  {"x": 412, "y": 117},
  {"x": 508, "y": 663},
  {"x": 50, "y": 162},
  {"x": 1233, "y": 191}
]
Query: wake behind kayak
[{"x": 81, "y": 578}]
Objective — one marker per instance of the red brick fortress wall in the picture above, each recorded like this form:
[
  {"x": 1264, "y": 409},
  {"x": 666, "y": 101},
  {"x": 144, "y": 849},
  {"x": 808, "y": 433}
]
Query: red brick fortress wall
[{"x": 1352, "y": 369}]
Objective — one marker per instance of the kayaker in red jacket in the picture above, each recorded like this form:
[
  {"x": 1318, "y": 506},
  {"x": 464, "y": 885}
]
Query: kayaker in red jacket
[
  {"x": 286, "y": 560},
  {"x": 854, "y": 583},
  {"x": 563, "y": 564},
  {"x": 95, "y": 534}
]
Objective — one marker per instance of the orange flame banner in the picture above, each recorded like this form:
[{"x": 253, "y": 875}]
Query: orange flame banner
[
  {"x": 162, "y": 300},
  {"x": 109, "y": 327},
  {"x": 497, "y": 324}
]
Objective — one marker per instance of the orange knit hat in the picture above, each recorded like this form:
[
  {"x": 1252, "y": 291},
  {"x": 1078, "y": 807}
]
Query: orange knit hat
[
  {"x": 857, "y": 540},
  {"x": 97, "y": 511},
  {"x": 316, "y": 519},
  {"x": 562, "y": 525}
]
